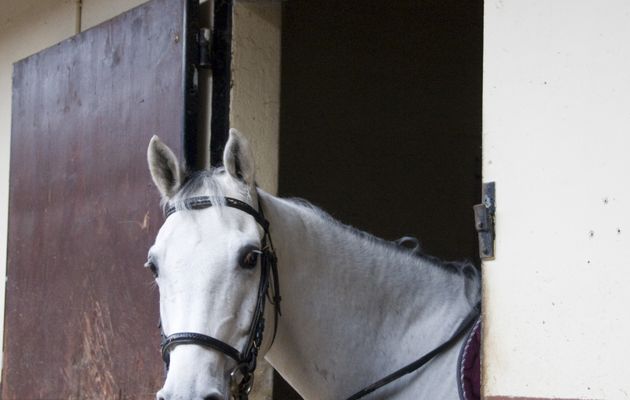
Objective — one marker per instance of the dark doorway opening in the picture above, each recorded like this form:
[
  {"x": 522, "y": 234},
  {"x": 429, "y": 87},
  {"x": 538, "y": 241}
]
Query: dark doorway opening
[{"x": 381, "y": 118}]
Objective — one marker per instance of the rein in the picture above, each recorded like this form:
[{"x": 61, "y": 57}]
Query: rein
[
  {"x": 241, "y": 376},
  {"x": 240, "y": 386},
  {"x": 465, "y": 326}
]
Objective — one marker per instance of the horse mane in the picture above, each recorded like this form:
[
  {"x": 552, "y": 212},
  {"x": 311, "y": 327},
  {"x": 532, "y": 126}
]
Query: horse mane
[
  {"x": 200, "y": 181},
  {"x": 460, "y": 267}
]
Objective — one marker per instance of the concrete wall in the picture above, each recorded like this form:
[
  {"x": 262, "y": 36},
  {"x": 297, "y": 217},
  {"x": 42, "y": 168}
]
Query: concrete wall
[
  {"x": 255, "y": 101},
  {"x": 556, "y": 139}
]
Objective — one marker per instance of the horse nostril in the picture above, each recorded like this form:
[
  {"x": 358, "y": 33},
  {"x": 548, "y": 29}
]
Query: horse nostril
[{"x": 213, "y": 396}]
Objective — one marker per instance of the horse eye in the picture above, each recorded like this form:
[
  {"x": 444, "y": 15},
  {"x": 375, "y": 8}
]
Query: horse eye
[
  {"x": 152, "y": 267},
  {"x": 250, "y": 259}
]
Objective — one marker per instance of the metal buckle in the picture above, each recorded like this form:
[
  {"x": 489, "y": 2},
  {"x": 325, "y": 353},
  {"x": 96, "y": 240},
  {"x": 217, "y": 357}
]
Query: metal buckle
[{"x": 241, "y": 387}]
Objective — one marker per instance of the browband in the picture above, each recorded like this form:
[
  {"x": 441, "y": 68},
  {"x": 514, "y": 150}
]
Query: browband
[{"x": 201, "y": 202}]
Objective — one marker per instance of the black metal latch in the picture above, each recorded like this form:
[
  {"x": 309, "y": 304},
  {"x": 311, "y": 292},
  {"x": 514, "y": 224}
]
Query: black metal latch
[{"x": 484, "y": 221}]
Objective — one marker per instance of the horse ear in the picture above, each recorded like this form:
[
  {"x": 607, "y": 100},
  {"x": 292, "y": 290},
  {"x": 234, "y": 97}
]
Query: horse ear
[
  {"x": 238, "y": 158},
  {"x": 164, "y": 168}
]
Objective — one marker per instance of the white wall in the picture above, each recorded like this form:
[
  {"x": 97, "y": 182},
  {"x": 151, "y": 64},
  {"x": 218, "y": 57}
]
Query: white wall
[{"x": 556, "y": 133}]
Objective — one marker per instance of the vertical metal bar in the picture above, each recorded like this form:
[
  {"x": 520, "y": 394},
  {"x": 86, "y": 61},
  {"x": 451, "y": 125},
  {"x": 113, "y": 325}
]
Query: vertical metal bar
[
  {"x": 78, "y": 15},
  {"x": 190, "y": 137},
  {"x": 221, "y": 54}
]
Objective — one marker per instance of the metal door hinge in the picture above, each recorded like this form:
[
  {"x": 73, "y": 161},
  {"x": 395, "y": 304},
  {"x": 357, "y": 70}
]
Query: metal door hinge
[{"x": 484, "y": 221}]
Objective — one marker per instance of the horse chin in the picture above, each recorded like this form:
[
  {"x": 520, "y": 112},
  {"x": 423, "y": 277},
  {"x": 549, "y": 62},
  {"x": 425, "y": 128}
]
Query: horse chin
[{"x": 194, "y": 374}]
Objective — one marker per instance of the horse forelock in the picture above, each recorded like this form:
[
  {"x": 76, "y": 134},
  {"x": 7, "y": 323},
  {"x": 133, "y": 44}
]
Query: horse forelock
[{"x": 204, "y": 183}]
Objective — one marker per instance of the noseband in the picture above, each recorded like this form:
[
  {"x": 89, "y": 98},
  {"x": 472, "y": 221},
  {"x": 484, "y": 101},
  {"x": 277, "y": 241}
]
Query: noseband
[{"x": 241, "y": 376}]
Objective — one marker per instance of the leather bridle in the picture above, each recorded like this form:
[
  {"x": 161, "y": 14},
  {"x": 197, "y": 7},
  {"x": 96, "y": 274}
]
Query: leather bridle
[{"x": 242, "y": 375}]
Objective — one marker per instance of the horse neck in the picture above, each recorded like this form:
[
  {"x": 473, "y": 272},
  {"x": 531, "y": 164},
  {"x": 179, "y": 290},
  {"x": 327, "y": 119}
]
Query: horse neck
[{"x": 352, "y": 304}]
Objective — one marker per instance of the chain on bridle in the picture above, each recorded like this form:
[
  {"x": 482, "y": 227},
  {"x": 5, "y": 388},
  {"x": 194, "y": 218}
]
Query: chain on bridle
[{"x": 242, "y": 375}]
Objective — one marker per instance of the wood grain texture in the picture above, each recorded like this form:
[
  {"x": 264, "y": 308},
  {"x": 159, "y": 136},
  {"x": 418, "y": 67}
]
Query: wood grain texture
[{"x": 81, "y": 311}]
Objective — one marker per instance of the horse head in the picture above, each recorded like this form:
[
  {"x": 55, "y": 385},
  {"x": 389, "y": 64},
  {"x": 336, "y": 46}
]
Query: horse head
[{"x": 208, "y": 262}]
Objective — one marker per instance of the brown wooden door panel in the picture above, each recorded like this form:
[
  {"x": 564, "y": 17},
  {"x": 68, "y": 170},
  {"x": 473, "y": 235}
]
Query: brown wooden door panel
[{"x": 81, "y": 312}]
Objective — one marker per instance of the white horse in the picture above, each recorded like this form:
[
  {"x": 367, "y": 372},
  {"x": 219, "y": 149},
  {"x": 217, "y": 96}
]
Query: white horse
[{"x": 354, "y": 308}]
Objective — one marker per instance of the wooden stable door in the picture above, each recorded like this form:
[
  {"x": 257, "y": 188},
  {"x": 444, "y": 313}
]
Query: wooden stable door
[{"x": 81, "y": 311}]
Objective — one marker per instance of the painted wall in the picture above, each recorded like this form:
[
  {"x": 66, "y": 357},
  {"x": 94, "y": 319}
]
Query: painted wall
[{"x": 556, "y": 137}]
